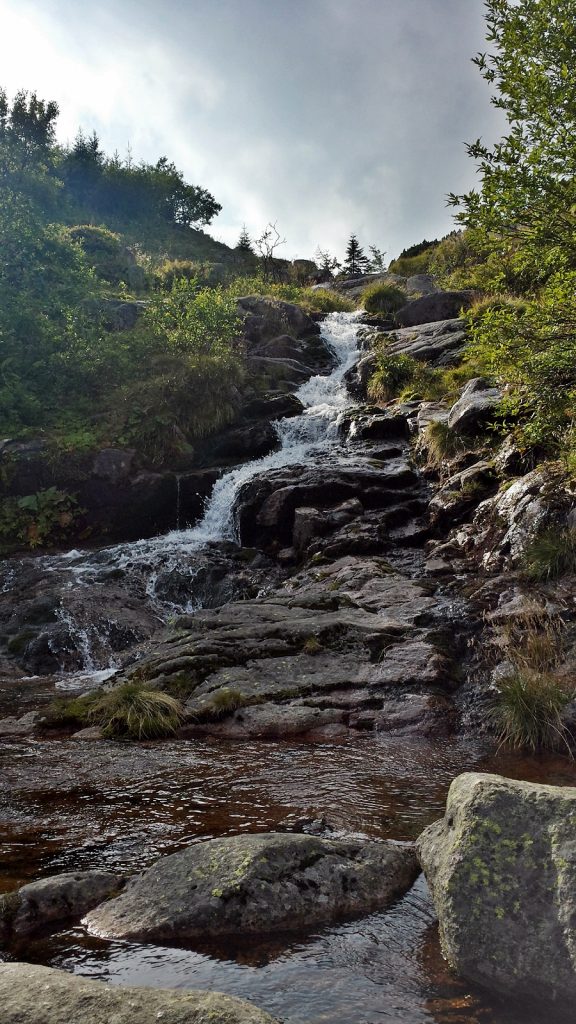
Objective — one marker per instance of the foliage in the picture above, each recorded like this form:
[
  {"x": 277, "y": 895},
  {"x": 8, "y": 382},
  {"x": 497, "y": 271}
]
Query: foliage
[
  {"x": 103, "y": 250},
  {"x": 550, "y": 555},
  {"x": 203, "y": 273},
  {"x": 37, "y": 519},
  {"x": 531, "y": 347},
  {"x": 392, "y": 374},
  {"x": 244, "y": 243},
  {"x": 524, "y": 211},
  {"x": 131, "y": 711},
  {"x": 223, "y": 702},
  {"x": 407, "y": 266},
  {"x": 383, "y": 298},
  {"x": 312, "y": 300}
]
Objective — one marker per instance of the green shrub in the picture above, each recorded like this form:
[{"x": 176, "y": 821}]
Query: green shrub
[
  {"x": 392, "y": 374},
  {"x": 407, "y": 266},
  {"x": 530, "y": 347},
  {"x": 383, "y": 298},
  {"x": 550, "y": 555},
  {"x": 104, "y": 251},
  {"x": 44, "y": 518},
  {"x": 132, "y": 712}
]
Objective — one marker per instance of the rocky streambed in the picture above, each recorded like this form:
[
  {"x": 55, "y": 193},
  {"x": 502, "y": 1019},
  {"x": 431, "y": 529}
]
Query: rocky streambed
[{"x": 337, "y": 610}]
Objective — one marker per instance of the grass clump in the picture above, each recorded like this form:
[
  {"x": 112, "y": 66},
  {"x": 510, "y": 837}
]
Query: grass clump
[
  {"x": 551, "y": 555},
  {"x": 383, "y": 298},
  {"x": 441, "y": 444},
  {"x": 532, "y": 696},
  {"x": 529, "y": 711},
  {"x": 131, "y": 711},
  {"x": 223, "y": 702}
]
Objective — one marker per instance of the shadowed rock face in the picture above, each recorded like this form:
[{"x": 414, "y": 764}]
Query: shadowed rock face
[
  {"x": 39, "y": 995},
  {"x": 256, "y": 884},
  {"x": 502, "y": 870}
]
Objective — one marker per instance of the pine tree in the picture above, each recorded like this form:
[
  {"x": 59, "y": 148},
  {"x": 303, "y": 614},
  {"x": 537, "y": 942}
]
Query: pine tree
[
  {"x": 355, "y": 262},
  {"x": 244, "y": 243}
]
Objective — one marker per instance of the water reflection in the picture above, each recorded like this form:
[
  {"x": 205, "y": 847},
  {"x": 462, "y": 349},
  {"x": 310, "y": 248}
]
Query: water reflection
[{"x": 66, "y": 805}]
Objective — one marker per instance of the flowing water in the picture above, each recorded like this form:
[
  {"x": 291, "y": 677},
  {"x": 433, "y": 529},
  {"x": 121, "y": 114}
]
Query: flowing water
[{"x": 71, "y": 806}]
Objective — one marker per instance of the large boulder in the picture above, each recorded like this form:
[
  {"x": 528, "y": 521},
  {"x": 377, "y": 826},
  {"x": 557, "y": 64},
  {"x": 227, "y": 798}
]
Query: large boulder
[
  {"x": 53, "y": 901},
  {"x": 255, "y": 884},
  {"x": 475, "y": 407},
  {"x": 501, "y": 866},
  {"x": 437, "y": 306},
  {"x": 440, "y": 343},
  {"x": 30, "y": 994},
  {"x": 265, "y": 319}
]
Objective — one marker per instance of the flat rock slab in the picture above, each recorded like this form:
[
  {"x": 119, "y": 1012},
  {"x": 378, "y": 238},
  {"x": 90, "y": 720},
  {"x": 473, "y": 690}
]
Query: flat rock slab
[
  {"x": 255, "y": 884},
  {"x": 502, "y": 870},
  {"x": 40, "y": 995}
]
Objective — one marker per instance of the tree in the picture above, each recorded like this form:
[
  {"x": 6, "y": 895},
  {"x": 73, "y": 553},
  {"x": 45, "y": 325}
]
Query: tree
[
  {"x": 266, "y": 247},
  {"x": 376, "y": 263},
  {"x": 355, "y": 261},
  {"x": 327, "y": 264},
  {"x": 524, "y": 213},
  {"x": 244, "y": 243}
]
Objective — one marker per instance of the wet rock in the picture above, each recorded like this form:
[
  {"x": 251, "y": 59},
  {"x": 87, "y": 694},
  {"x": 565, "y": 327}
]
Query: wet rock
[
  {"x": 437, "y": 306},
  {"x": 251, "y": 441},
  {"x": 462, "y": 492},
  {"x": 270, "y": 721},
  {"x": 52, "y": 902},
  {"x": 358, "y": 376},
  {"x": 23, "y": 726},
  {"x": 413, "y": 714},
  {"x": 255, "y": 884},
  {"x": 475, "y": 408},
  {"x": 274, "y": 407},
  {"x": 439, "y": 344},
  {"x": 30, "y": 994},
  {"x": 502, "y": 871},
  {"x": 92, "y": 734},
  {"x": 379, "y": 427}
]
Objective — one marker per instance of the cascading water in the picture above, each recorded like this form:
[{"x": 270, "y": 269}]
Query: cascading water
[{"x": 166, "y": 575}]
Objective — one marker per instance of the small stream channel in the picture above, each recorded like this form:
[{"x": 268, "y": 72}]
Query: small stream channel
[{"x": 66, "y": 805}]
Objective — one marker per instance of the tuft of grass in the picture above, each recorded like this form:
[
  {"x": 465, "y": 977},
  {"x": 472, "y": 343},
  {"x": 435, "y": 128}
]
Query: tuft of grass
[
  {"x": 528, "y": 714},
  {"x": 441, "y": 444},
  {"x": 312, "y": 645},
  {"x": 383, "y": 298},
  {"x": 550, "y": 555},
  {"x": 223, "y": 702},
  {"x": 131, "y": 711},
  {"x": 528, "y": 711}
]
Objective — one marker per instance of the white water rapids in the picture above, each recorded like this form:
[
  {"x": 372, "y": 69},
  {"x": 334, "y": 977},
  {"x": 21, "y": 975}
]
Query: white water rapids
[
  {"x": 166, "y": 575},
  {"x": 302, "y": 438}
]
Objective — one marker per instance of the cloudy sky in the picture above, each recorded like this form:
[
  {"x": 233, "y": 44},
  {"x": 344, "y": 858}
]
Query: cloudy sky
[{"x": 326, "y": 116}]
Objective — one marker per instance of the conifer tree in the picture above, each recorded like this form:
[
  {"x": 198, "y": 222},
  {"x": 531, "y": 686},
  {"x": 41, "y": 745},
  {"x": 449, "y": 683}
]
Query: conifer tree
[
  {"x": 244, "y": 243},
  {"x": 355, "y": 261}
]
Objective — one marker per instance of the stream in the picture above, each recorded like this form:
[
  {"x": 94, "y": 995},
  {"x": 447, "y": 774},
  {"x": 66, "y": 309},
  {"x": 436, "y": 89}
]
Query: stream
[{"x": 66, "y": 805}]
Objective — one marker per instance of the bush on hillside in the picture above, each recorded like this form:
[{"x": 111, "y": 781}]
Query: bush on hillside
[
  {"x": 104, "y": 251},
  {"x": 383, "y": 298}
]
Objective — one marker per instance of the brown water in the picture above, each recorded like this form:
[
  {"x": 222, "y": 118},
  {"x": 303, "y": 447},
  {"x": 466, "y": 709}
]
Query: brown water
[{"x": 66, "y": 805}]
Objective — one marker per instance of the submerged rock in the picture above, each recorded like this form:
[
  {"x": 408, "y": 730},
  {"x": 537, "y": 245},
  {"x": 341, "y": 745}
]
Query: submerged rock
[
  {"x": 255, "y": 884},
  {"x": 53, "y": 901},
  {"x": 501, "y": 866},
  {"x": 40, "y": 995}
]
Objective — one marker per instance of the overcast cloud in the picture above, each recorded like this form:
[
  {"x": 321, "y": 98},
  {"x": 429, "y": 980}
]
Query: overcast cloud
[{"x": 327, "y": 116}]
